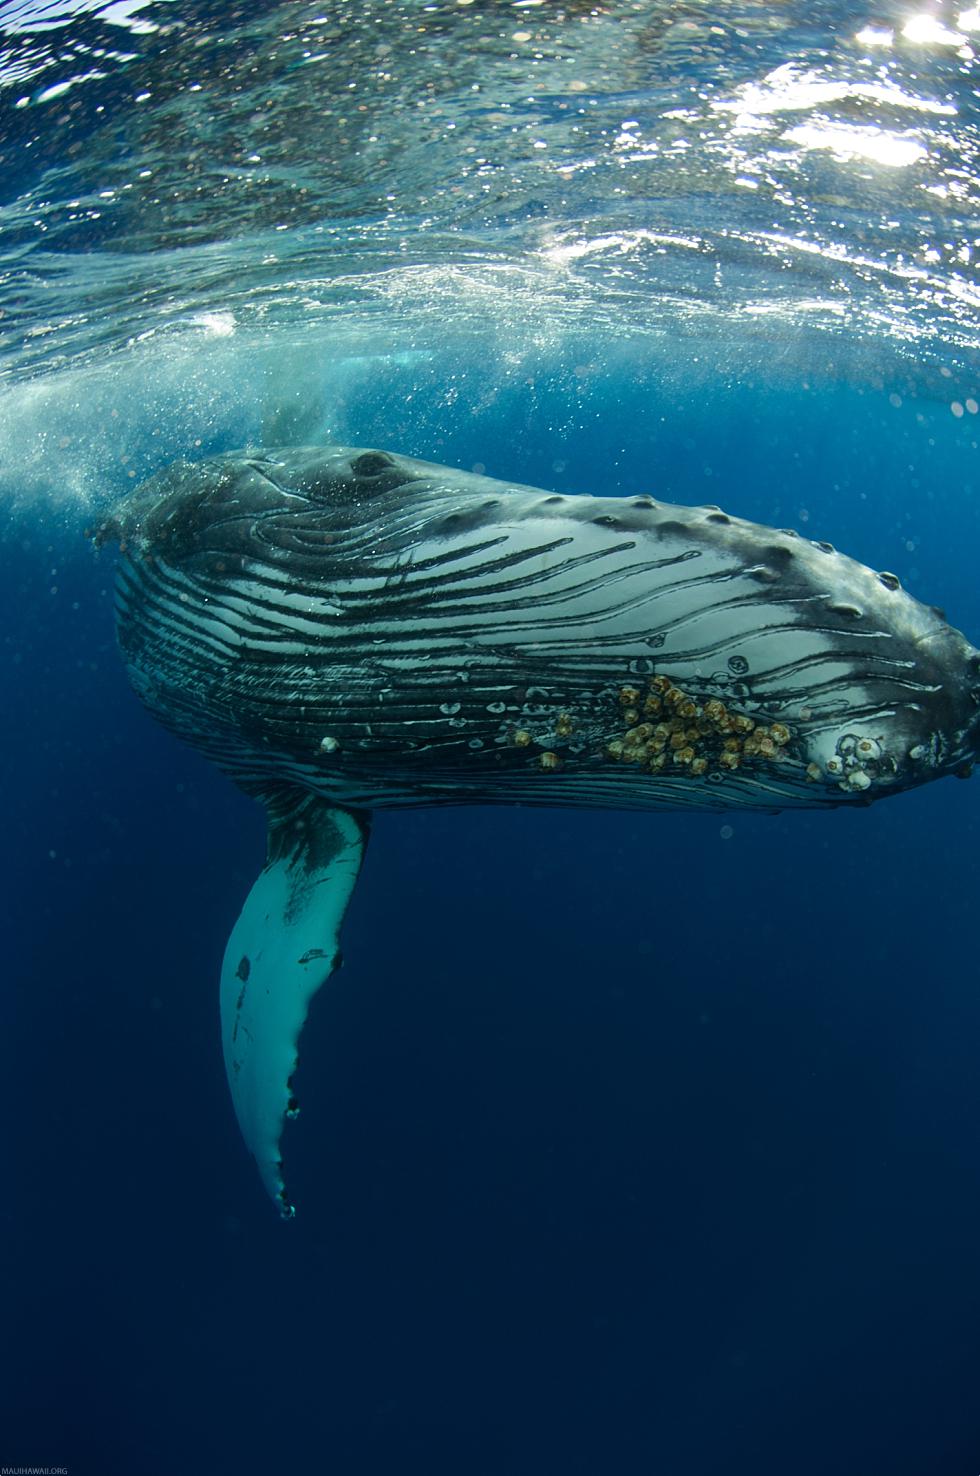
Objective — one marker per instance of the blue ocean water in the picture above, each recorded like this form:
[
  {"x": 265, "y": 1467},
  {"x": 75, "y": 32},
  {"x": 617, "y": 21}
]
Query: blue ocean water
[{"x": 629, "y": 1142}]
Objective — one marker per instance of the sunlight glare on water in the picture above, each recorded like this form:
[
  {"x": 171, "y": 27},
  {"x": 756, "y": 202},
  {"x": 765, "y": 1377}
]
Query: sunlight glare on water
[{"x": 185, "y": 186}]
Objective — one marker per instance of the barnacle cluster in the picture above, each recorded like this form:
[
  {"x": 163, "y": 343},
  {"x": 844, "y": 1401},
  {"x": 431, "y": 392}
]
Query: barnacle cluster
[
  {"x": 667, "y": 730},
  {"x": 859, "y": 761}
]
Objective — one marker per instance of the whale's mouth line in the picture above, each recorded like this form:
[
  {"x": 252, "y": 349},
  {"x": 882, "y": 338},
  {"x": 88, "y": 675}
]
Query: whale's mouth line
[{"x": 929, "y": 637}]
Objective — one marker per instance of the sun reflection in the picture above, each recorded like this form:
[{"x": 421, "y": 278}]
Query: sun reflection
[
  {"x": 790, "y": 89},
  {"x": 929, "y": 30},
  {"x": 848, "y": 141},
  {"x": 760, "y": 107},
  {"x": 875, "y": 36}
]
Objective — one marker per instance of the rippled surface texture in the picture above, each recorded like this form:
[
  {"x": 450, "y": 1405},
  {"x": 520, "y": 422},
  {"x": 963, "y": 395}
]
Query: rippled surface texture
[
  {"x": 641, "y": 164},
  {"x": 629, "y": 1143}
]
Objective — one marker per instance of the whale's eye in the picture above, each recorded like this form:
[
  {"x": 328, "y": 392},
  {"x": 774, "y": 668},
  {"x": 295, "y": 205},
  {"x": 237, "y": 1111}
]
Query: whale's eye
[{"x": 371, "y": 464}]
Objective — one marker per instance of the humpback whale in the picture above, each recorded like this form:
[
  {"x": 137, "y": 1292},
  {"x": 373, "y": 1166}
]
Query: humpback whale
[{"x": 340, "y": 629}]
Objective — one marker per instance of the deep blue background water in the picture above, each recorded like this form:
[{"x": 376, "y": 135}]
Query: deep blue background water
[
  {"x": 629, "y": 1143},
  {"x": 625, "y": 1146}
]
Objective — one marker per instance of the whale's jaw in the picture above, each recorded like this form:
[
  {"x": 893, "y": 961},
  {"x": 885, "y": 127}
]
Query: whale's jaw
[{"x": 345, "y": 629}]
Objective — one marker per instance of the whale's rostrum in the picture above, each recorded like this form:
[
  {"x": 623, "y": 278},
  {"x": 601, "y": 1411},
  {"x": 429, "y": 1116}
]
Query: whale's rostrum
[{"x": 342, "y": 629}]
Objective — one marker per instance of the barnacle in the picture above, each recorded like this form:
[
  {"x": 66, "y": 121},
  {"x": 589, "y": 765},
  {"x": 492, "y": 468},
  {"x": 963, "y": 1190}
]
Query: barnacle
[
  {"x": 699, "y": 737},
  {"x": 639, "y": 734}
]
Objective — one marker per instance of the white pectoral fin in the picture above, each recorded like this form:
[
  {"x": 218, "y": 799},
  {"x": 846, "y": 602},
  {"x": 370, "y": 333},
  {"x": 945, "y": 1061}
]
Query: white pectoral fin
[{"x": 282, "y": 948}]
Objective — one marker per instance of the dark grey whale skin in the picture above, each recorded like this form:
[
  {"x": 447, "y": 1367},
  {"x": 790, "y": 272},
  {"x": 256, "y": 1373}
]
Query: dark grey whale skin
[{"x": 381, "y": 631}]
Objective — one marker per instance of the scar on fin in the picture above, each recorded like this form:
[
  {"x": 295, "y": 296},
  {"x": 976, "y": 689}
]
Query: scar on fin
[
  {"x": 243, "y": 970},
  {"x": 311, "y": 954},
  {"x": 238, "y": 1016}
]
